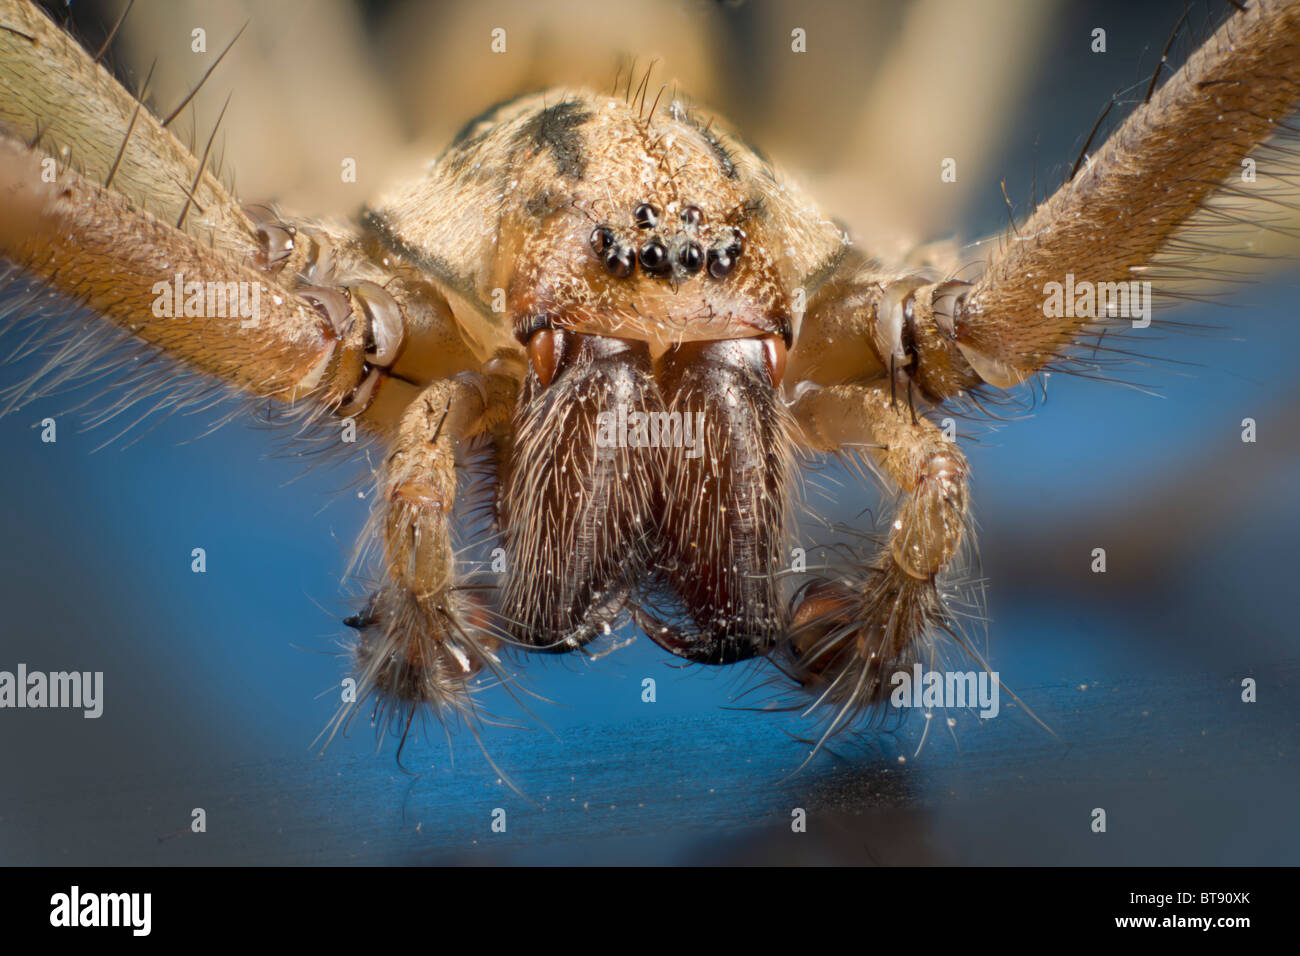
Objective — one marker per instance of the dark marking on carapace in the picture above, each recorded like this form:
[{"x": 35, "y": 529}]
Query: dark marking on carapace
[
  {"x": 470, "y": 135},
  {"x": 557, "y": 130},
  {"x": 464, "y": 145}
]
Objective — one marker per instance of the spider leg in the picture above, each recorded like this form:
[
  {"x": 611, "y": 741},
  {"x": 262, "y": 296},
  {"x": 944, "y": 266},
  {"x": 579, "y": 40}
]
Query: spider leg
[
  {"x": 1109, "y": 225},
  {"x": 92, "y": 245},
  {"x": 308, "y": 317},
  {"x": 56, "y": 99},
  {"x": 423, "y": 638},
  {"x": 848, "y": 637},
  {"x": 1130, "y": 222},
  {"x": 872, "y": 331},
  {"x": 105, "y": 206}
]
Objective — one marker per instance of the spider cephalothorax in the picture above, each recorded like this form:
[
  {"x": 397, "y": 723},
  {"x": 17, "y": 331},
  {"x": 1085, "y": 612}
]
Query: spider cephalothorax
[
  {"x": 649, "y": 273},
  {"x": 643, "y": 323}
]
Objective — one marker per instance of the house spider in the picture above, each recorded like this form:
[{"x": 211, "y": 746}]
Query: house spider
[{"x": 640, "y": 323}]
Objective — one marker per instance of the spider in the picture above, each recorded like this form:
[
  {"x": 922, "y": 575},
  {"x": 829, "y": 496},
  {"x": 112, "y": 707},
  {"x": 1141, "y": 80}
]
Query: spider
[{"x": 637, "y": 325}]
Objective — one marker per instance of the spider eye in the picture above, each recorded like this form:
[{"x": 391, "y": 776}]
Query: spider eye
[
  {"x": 545, "y": 351},
  {"x": 720, "y": 263},
  {"x": 654, "y": 256},
  {"x": 602, "y": 237},
  {"x": 646, "y": 216},
  {"x": 774, "y": 352},
  {"x": 618, "y": 261},
  {"x": 691, "y": 257},
  {"x": 722, "y": 259},
  {"x": 691, "y": 216}
]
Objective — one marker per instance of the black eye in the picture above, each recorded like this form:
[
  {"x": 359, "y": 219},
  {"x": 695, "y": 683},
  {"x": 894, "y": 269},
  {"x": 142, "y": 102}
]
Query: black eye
[
  {"x": 602, "y": 237},
  {"x": 692, "y": 216},
  {"x": 653, "y": 256},
  {"x": 720, "y": 262},
  {"x": 691, "y": 257},
  {"x": 646, "y": 216},
  {"x": 618, "y": 261}
]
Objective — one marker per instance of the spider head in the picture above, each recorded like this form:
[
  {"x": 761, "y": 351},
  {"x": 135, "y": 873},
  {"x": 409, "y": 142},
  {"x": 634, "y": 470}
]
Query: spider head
[
  {"x": 651, "y": 232},
  {"x": 661, "y": 273}
]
